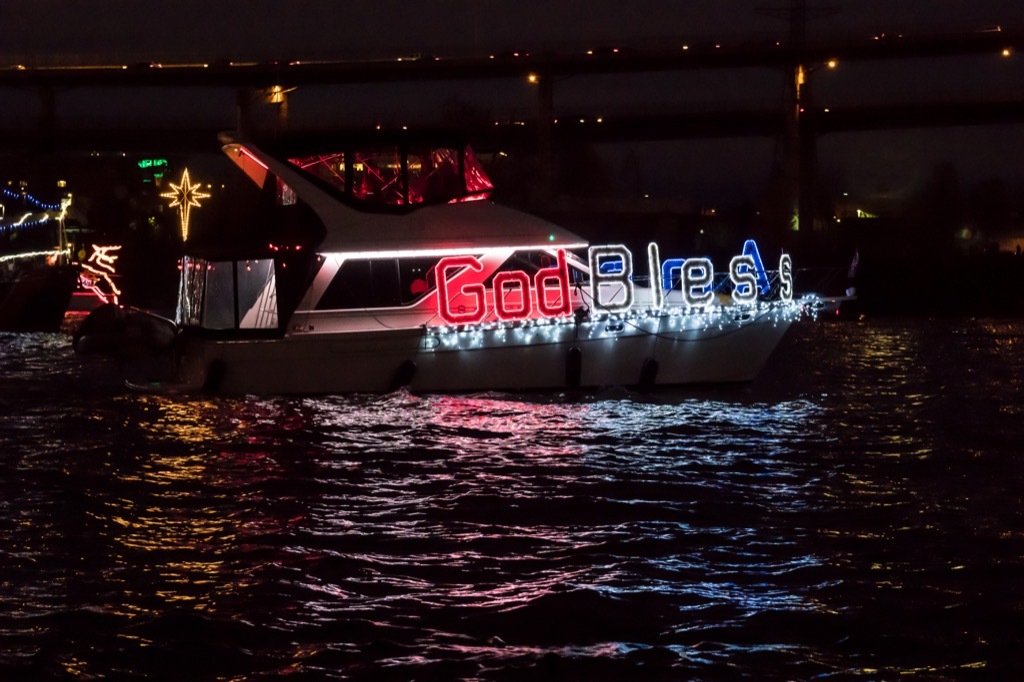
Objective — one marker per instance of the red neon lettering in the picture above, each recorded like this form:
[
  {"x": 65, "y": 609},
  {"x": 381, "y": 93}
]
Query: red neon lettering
[
  {"x": 463, "y": 299},
  {"x": 502, "y": 309},
  {"x": 474, "y": 290},
  {"x": 560, "y": 274}
]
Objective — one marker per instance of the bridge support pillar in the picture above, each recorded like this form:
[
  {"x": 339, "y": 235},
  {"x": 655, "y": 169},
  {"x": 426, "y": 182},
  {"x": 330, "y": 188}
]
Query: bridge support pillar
[
  {"x": 46, "y": 123},
  {"x": 244, "y": 99},
  {"x": 278, "y": 96},
  {"x": 248, "y": 98},
  {"x": 545, "y": 133},
  {"x": 799, "y": 158},
  {"x": 791, "y": 144}
]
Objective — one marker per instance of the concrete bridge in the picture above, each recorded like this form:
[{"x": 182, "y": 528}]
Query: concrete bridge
[
  {"x": 272, "y": 82},
  {"x": 798, "y": 122}
]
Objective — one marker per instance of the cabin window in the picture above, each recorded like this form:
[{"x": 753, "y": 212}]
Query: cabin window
[
  {"x": 285, "y": 195},
  {"x": 528, "y": 261},
  {"x": 476, "y": 178},
  {"x": 416, "y": 278},
  {"x": 228, "y": 294},
  {"x": 377, "y": 176},
  {"x": 257, "y": 294},
  {"x": 327, "y": 167},
  {"x": 190, "y": 294},
  {"x": 219, "y": 306},
  {"x": 379, "y": 283},
  {"x": 396, "y": 176},
  {"x": 434, "y": 175}
]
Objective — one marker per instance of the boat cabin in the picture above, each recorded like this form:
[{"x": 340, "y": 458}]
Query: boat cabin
[
  {"x": 250, "y": 283},
  {"x": 399, "y": 175}
]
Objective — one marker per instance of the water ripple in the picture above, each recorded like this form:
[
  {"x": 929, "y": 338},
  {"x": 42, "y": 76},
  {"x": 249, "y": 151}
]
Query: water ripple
[{"x": 854, "y": 513}]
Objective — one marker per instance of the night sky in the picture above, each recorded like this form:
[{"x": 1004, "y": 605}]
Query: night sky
[
  {"x": 268, "y": 28},
  {"x": 131, "y": 31}
]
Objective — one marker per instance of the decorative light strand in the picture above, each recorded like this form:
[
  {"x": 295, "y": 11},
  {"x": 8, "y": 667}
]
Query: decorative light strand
[
  {"x": 666, "y": 323},
  {"x": 100, "y": 268},
  {"x": 25, "y": 223},
  {"x": 29, "y": 199},
  {"x": 51, "y": 254}
]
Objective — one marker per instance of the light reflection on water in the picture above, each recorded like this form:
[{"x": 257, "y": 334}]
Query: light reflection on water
[{"x": 852, "y": 513}]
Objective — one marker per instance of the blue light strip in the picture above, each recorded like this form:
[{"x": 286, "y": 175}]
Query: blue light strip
[{"x": 31, "y": 200}]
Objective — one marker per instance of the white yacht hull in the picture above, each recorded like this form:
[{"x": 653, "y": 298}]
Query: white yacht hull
[{"x": 644, "y": 351}]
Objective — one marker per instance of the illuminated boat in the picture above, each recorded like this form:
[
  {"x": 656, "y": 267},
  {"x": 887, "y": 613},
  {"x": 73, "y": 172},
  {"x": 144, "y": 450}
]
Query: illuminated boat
[
  {"x": 37, "y": 276},
  {"x": 373, "y": 269}
]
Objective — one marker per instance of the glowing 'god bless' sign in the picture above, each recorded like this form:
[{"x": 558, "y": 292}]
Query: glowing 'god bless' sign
[{"x": 463, "y": 297}]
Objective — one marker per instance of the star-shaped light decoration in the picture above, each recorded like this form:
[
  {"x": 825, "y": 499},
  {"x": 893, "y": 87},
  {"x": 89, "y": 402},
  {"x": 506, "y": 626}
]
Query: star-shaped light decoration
[{"x": 185, "y": 195}]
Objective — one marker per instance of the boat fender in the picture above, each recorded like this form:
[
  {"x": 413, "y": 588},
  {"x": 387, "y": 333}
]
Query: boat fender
[
  {"x": 214, "y": 376},
  {"x": 102, "y": 331},
  {"x": 648, "y": 373},
  {"x": 403, "y": 375},
  {"x": 573, "y": 367}
]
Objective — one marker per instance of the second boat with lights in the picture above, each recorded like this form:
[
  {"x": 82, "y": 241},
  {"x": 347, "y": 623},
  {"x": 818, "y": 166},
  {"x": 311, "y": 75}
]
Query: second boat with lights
[
  {"x": 372, "y": 268},
  {"x": 37, "y": 275}
]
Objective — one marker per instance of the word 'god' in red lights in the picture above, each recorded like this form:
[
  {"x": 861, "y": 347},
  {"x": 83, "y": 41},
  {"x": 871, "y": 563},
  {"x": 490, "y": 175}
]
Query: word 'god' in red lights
[{"x": 513, "y": 295}]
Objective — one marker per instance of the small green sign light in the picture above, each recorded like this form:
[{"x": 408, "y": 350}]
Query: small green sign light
[{"x": 152, "y": 163}]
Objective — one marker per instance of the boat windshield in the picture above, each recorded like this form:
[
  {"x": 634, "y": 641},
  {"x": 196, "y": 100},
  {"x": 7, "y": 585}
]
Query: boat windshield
[{"x": 398, "y": 175}]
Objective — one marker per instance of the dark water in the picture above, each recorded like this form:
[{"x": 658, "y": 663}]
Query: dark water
[{"x": 856, "y": 513}]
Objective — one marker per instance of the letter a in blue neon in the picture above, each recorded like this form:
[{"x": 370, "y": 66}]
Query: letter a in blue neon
[{"x": 750, "y": 249}]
